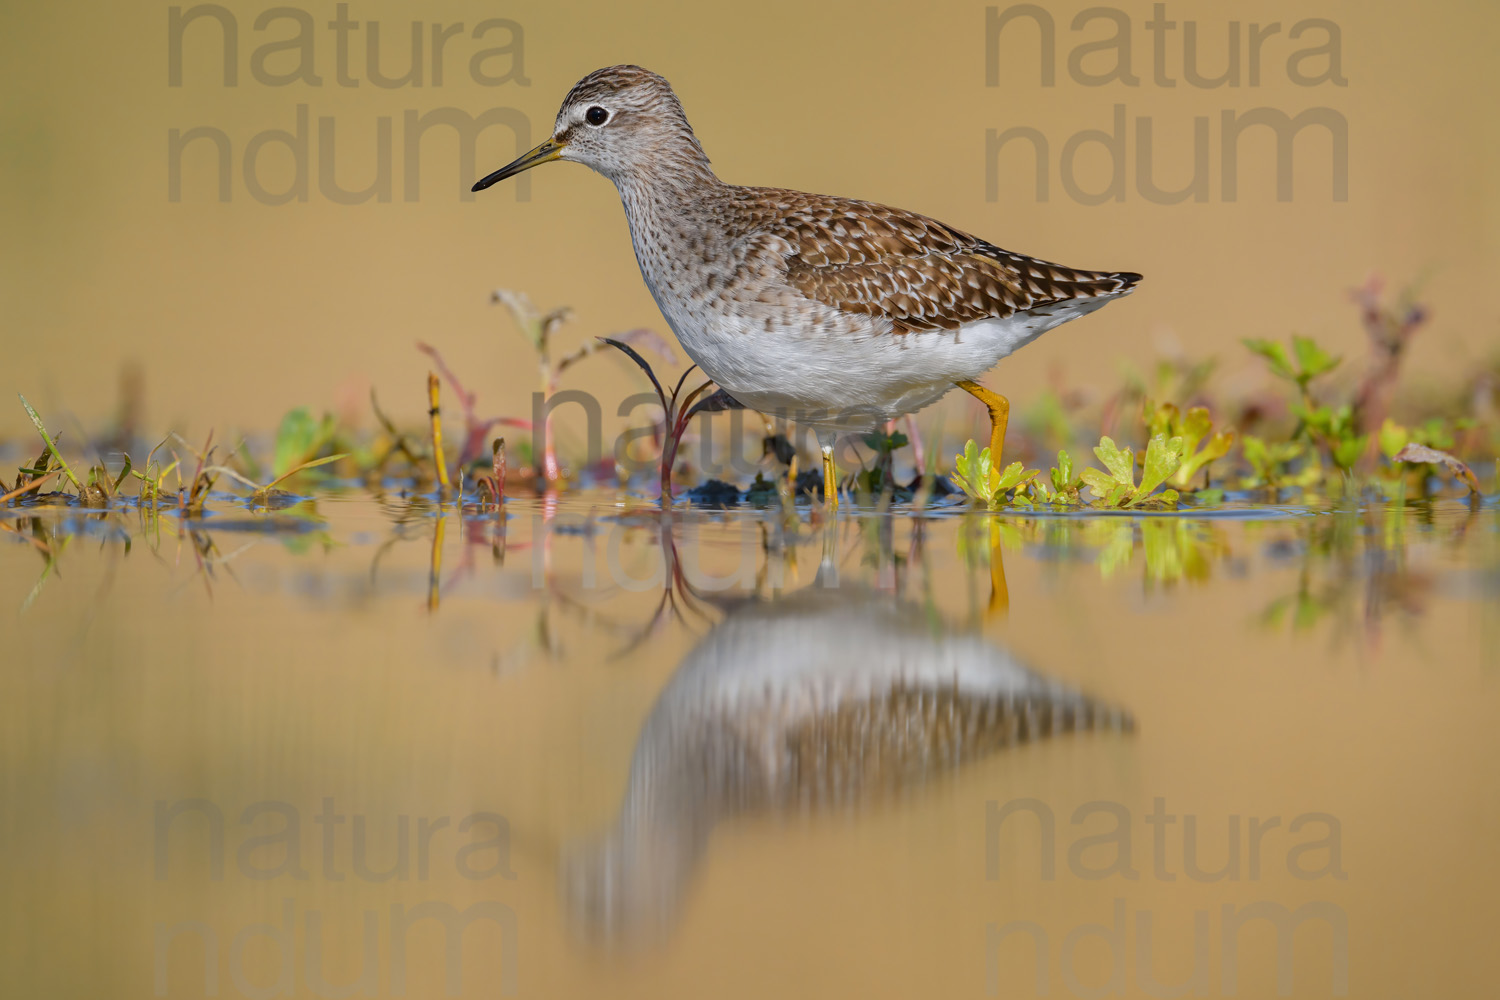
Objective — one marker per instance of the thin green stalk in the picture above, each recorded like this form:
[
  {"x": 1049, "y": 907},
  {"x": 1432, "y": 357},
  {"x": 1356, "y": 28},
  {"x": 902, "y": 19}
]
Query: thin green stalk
[{"x": 37, "y": 420}]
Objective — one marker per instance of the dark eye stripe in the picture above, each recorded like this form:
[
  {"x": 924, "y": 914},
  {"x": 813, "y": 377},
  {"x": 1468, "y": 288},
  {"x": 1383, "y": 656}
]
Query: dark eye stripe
[{"x": 596, "y": 115}]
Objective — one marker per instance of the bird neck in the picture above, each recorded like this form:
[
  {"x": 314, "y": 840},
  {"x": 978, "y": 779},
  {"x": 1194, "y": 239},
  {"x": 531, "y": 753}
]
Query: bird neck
[{"x": 674, "y": 176}]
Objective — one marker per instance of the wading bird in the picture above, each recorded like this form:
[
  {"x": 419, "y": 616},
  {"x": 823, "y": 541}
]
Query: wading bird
[{"x": 837, "y": 313}]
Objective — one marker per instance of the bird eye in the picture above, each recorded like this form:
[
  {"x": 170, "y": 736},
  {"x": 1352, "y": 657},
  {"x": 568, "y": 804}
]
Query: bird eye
[{"x": 596, "y": 116}]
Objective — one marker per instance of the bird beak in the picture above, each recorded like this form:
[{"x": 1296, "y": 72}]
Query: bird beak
[{"x": 549, "y": 150}]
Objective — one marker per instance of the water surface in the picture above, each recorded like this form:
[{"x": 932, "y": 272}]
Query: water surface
[{"x": 747, "y": 753}]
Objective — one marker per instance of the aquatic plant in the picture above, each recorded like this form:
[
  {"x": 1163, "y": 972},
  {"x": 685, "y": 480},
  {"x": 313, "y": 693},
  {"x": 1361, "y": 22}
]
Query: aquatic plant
[
  {"x": 1114, "y": 488},
  {"x": 1119, "y": 489},
  {"x": 1061, "y": 486},
  {"x": 1271, "y": 463},
  {"x": 974, "y": 474},
  {"x": 1200, "y": 444},
  {"x": 1332, "y": 427},
  {"x": 1303, "y": 363}
]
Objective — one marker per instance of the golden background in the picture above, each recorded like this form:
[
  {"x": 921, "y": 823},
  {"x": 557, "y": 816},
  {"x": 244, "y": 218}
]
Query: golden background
[{"x": 237, "y": 311}]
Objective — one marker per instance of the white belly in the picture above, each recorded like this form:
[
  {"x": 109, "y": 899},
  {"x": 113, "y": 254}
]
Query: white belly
[{"x": 856, "y": 380}]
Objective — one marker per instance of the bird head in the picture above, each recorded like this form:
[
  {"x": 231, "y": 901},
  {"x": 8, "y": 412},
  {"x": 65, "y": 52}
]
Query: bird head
[{"x": 619, "y": 121}]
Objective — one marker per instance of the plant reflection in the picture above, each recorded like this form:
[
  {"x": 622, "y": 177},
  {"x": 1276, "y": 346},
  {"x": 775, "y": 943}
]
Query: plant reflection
[
  {"x": 1355, "y": 564},
  {"x": 1355, "y": 571}
]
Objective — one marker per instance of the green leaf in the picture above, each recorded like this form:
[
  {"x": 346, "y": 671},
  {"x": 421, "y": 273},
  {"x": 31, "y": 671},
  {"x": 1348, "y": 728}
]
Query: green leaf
[
  {"x": 1393, "y": 438},
  {"x": 1256, "y": 453},
  {"x": 1014, "y": 475},
  {"x": 1312, "y": 360},
  {"x": 1163, "y": 457},
  {"x": 1195, "y": 426},
  {"x": 123, "y": 472},
  {"x": 1348, "y": 451},
  {"x": 884, "y": 443},
  {"x": 298, "y": 437},
  {"x": 1193, "y": 462},
  {"x": 1101, "y": 484},
  {"x": 1062, "y": 476},
  {"x": 1275, "y": 355},
  {"x": 1160, "y": 418},
  {"x": 972, "y": 472},
  {"x": 304, "y": 466},
  {"x": 1434, "y": 433},
  {"x": 979, "y": 468},
  {"x": 1121, "y": 464},
  {"x": 51, "y": 445}
]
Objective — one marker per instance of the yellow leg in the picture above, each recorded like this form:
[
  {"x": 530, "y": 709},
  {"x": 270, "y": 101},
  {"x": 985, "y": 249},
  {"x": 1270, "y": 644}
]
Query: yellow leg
[
  {"x": 830, "y": 479},
  {"x": 999, "y": 408}
]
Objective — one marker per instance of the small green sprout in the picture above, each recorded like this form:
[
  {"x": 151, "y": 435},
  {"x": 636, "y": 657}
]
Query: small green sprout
[
  {"x": 154, "y": 477},
  {"x": 1335, "y": 427},
  {"x": 1271, "y": 464},
  {"x": 1306, "y": 361},
  {"x": 1119, "y": 489},
  {"x": 1061, "y": 485},
  {"x": 51, "y": 445}
]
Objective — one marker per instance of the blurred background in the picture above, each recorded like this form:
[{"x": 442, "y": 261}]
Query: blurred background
[
  {"x": 217, "y": 215},
  {"x": 233, "y": 309}
]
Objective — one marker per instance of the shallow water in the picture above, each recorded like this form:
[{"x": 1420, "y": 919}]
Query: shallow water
[{"x": 747, "y": 753}]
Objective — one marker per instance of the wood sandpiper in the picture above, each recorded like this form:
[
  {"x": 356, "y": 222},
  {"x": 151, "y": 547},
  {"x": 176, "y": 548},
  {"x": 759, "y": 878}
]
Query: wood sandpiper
[{"x": 837, "y": 313}]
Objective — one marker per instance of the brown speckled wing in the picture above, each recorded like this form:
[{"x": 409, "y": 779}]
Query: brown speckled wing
[{"x": 865, "y": 258}]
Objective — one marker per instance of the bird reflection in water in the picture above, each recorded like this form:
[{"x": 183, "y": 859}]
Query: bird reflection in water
[{"x": 823, "y": 699}]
